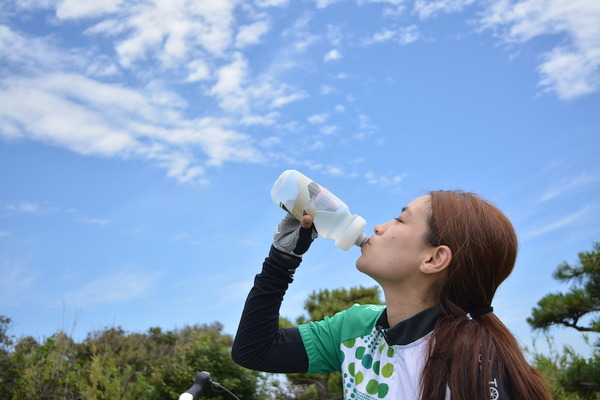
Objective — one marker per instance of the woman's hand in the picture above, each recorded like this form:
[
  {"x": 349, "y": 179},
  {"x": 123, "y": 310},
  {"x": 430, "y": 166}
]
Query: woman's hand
[{"x": 294, "y": 237}]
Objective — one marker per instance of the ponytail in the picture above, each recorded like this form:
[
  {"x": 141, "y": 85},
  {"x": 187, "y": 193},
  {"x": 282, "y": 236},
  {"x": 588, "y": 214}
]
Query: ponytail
[{"x": 476, "y": 358}]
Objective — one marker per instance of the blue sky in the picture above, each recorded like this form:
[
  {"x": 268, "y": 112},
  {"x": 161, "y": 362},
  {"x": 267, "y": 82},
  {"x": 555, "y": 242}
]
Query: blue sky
[{"x": 139, "y": 141}]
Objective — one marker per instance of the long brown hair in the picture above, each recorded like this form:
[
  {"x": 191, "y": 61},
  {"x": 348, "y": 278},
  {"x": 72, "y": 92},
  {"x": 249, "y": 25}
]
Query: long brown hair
[{"x": 474, "y": 357}]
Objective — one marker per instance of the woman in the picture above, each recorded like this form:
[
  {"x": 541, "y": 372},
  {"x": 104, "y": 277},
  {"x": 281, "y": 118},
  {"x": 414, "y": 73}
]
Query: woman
[{"x": 439, "y": 264}]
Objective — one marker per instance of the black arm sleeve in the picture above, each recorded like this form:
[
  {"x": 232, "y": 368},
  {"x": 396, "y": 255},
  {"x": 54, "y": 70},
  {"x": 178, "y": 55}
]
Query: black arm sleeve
[{"x": 259, "y": 343}]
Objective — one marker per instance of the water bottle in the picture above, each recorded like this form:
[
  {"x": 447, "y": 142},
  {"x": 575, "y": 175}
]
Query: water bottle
[{"x": 299, "y": 195}]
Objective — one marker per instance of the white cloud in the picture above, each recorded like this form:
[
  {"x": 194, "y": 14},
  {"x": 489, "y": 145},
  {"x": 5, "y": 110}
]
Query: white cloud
[
  {"x": 48, "y": 98},
  {"x": 394, "y": 12},
  {"x": 557, "y": 224},
  {"x": 384, "y": 180},
  {"x": 42, "y": 107},
  {"x": 25, "y": 207},
  {"x": 326, "y": 89},
  {"x": 365, "y": 126},
  {"x": 384, "y": 36},
  {"x": 403, "y": 35},
  {"x": 16, "y": 280},
  {"x": 286, "y": 95},
  {"x": 268, "y": 119},
  {"x": 30, "y": 208},
  {"x": 236, "y": 94},
  {"x": 299, "y": 36},
  {"x": 569, "y": 185},
  {"x": 570, "y": 74},
  {"x": 30, "y": 54},
  {"x": 429, "y": 9},
  {"x": 234, "y": 293},
  {"x": 334, "y": 35},
  {"x": 317, "y": 118},
  {"x": 220, "y": 143},
  {"x": 198, "y": 71},
  {"x": 27, "y": 5},
  {"x": 271, "y": 141},
  {"x": 96, "y": 221},
  {"x": 251, "y": 34},
  {"x": 572, "y": 68},
  {"x": 329, "y": 129},
  {"x": 101, "y": 67},
  {"x": 114, "y": 287},
  {"x": 332, "y": 55},
  {"x": 393, "y": 7},
  {"x": 90, "y": 117},
  {"x": 75, "y": 9},
  {"x": 170, "y": 31},
  {"x": 325, "y": 3},
  {"x": 335, "y": 171},
  {"x": 272, "y": 3},
  {"x": 228, "y": 87},
  {"x": 317, "y": 145}
]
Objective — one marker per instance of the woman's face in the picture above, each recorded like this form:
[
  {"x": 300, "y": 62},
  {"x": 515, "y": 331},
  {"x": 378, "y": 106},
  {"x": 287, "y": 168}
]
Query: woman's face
[{"x": 397, "y": 249}]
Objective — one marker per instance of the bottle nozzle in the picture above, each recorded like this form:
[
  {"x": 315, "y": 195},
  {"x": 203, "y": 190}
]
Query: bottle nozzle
[{"x": 362, "y": 239}]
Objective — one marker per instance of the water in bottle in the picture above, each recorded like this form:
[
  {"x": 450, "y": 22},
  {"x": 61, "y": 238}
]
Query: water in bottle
[{"x": 299, "y": 195}]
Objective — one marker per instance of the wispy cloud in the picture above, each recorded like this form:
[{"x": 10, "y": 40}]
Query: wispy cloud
[
  {"x": 568, "y": 185},
  {"x": 96, "y": 221},
  {"x": 168, "y": 32},
  {"x": 16, "y": 280},
  {"x": 271, "y": 3},
  {"x": 251, "y": 34},
  {"x": 318, "y": 118},
  {"x": 429, "y": 9},
  {"x": 558, "y": 224},
  {"x": 27, "y": 207},
  {"x": 572, "y": 68},
  {"x": 90, "y": 117},
  {"x": 325, "y": 3},
  {"x": 332, "y": 55},
  {"x": 73, "y": 9},
  {"x": 122, "y": 103},
  {"x": 61, "y": 97},
  {"x": 114, "y": 287},
  {"x": 329, "y": 129},
  {"x": 403, "y": 35},
  {"x": 384, "y": 180},
  {"x": 234, "y": 292}
]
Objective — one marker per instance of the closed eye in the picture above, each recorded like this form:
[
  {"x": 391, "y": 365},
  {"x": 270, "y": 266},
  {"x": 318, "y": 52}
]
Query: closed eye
[{"x": 399, "y": 220}]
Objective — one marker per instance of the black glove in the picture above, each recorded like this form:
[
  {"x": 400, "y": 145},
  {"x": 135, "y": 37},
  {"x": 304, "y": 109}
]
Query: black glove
[{"x": 291, "y": 238}]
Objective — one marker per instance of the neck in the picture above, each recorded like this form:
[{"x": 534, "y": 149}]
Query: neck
[{"x": 403, "y": 304}]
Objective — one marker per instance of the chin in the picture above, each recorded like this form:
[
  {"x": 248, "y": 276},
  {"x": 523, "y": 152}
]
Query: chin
[{"x": 361, "y": 265}]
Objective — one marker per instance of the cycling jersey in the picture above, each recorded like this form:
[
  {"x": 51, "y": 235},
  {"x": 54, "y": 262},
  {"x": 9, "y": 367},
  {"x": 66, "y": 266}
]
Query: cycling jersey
[{"x": 376, "y": 362}]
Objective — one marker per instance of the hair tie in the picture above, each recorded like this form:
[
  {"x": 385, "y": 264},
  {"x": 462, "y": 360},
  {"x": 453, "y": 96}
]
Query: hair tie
[{"x": 475, "y": 314}]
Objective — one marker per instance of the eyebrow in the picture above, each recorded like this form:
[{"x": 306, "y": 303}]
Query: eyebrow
[{"x": 406, "y": 209}]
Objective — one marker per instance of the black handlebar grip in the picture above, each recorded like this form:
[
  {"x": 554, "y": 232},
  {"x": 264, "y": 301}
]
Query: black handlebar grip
[{"x": 200, "y": 383}]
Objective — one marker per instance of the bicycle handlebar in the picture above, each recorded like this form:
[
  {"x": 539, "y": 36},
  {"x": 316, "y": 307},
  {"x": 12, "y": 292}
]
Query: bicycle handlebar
[{"x": 200, "y": 383}]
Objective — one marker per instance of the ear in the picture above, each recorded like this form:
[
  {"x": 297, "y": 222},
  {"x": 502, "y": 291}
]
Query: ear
[{"x": 440, "y": 258}]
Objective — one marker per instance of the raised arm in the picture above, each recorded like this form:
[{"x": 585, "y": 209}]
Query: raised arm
[{"x": 259, "y": 343}]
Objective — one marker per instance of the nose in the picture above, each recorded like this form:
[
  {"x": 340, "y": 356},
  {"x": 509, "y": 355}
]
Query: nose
[{"x": 378, "y": 229}]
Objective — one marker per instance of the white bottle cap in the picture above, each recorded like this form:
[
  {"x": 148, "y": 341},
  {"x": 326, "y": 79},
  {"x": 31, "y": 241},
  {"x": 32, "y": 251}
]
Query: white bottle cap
[{"x": 352, "y": 233}]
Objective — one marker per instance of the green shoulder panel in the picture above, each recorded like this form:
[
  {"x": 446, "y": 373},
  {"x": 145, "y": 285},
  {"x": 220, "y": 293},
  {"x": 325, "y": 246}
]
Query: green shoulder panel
[{"x": 322, "y": 339}]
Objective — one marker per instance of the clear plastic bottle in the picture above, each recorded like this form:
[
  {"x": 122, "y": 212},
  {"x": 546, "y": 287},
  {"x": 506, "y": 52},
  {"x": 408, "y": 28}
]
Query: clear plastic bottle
[{"x": 299, "y": 195}]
